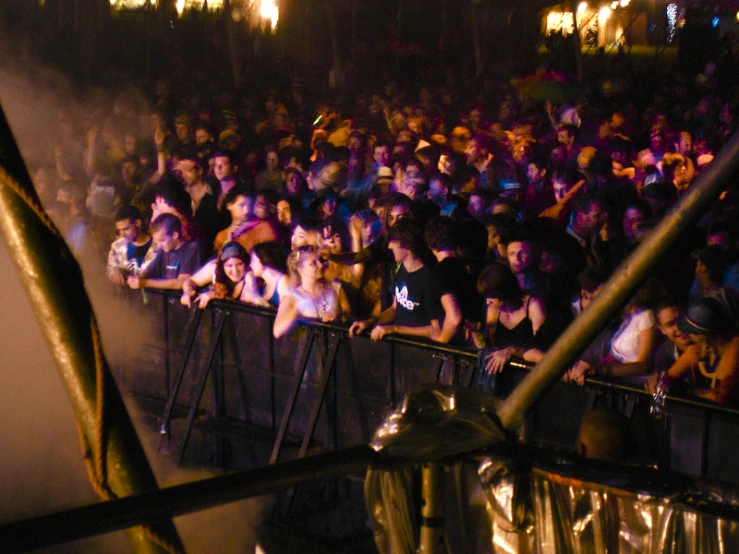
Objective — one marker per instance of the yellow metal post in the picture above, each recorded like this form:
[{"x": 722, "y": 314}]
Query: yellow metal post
[{"x": 56, "y": 289}]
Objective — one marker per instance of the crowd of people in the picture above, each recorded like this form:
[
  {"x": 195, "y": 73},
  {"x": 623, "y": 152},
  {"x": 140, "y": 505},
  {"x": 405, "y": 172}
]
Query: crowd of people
[{"x": 488, "y": 225}]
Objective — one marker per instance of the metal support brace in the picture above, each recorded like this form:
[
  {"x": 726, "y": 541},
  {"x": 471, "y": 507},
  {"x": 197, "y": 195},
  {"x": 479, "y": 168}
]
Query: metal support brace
[
  {"x": 298, "y": 379},
  {"x": 204, "y": 372},
  {"x": 440, "y": 359},
  {"x": 328, "y": 367},
  {"x": 193, "y": 323},
  {"x": 431, "y": 539}
]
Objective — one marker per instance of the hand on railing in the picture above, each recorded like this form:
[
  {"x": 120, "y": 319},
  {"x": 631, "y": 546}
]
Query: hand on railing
[
  {"x": 359, "y": 326},
  {"x": 658, "y": 384},
  {"x": 381, "y": 330},
  {"x": 578, "y": 372},
  {"x": 497, "y": 360}
]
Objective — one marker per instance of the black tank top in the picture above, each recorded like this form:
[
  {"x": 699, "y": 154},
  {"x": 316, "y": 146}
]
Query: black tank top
[{"x": 520, "y": 335}]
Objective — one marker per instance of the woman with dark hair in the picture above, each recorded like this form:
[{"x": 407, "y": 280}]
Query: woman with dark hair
[
  {"x": 226, "y": 274},
  {"x": 296, "y": 184},
  {"x": 290, "y": 209},
  {"x": 512, "y": 318},
  {"x": 267, "y": 280}
]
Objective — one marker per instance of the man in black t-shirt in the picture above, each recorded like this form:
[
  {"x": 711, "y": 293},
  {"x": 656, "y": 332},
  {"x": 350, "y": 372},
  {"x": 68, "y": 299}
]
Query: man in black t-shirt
[
  {"x": 176, "y": 260},
  {"x": 411, "y": 312},
  {"x": 453, "y": 282}
]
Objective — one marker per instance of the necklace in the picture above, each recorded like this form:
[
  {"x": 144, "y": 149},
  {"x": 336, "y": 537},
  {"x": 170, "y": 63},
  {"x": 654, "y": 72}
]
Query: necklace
[{"x": 319, "y": 303}]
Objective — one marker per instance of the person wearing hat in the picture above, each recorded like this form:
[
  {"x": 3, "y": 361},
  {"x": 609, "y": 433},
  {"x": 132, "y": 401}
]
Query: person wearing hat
[
  {"x": 710, "y": 365},
  {"x": 224, "y": 278}
]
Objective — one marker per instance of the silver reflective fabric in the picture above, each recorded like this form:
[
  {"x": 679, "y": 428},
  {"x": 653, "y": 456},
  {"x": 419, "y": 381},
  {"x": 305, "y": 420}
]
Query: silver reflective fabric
[
  {"x": 575, "y": 517},
  {"x": 508, "y": 506}
]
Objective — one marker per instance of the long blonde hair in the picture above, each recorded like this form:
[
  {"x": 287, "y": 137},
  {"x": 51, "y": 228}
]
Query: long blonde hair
[{"x": 295, "y": 260}]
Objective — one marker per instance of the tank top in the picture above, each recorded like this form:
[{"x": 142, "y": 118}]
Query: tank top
[
  {"x": 520, "y": 335},
  {"x": 309, "y": 307}
]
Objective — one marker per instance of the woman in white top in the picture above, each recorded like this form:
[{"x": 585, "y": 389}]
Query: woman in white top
[
  {"x": 226, "y": 274},
  {"x": 310, "y": 297},
  {"x": 634, "y": 342}
]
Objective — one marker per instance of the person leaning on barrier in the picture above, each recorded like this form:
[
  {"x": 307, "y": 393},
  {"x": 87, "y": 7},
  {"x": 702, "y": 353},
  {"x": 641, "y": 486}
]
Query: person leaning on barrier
[
  {"x": 310, "y": 298},
  {"x": 267, "y": 280},
  {"x": 226, "y": 274},
  {"x": 131, "y": 251},
  {"x": 411, "y": 311},
  {"x": 710, "y": 365},
  {"x": 176, "y": 260},
  {"x": 676, "y": 341},
  {"x": 454, "y": 281},
  {"x": 512, "y": 318},
  {"x": 633, "y": 343}
]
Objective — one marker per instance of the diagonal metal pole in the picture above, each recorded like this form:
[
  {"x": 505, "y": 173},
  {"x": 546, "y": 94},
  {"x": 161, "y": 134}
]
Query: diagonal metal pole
[
  {"x": 622, "y": 284},
  {"x": 54, "y": 283}
]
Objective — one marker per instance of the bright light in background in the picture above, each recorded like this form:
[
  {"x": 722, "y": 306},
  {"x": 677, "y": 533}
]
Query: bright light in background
[
  {"x": 180, "y": 5},
  {"x": 624, "y": 3},
  {"x": 582, "y": 6},
  {"x": 604, "y": 14},
  {"x": 269, "y": 10},
  {"x": 560, "y": 21},
  {"x": 614, "y": 4},
  {"x": 671, "y": 21},
  {"x": 128, "y": 4}
]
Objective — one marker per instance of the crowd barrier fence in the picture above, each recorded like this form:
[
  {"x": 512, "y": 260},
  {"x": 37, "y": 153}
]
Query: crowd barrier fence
[{"x": 318, "y": 389}]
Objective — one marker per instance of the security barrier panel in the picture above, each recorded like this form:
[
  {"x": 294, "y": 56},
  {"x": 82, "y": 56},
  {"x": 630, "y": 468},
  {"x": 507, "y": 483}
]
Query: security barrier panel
[{"x": 317, "y": 389}]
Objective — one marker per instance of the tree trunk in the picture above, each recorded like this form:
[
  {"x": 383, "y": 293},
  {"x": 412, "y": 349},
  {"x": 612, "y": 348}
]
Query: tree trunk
[
  {"x": 576, "y": 32},
  {"x": 233, "y": 45},
  {"x": 443, "y": 35},
  {"x": 335, "y": 46},
  {"x": 476, "y": 40}
]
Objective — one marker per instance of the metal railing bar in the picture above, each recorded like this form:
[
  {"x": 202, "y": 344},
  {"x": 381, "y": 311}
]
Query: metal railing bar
[
  {"x": 105, "y": 517},
  {"x": 517, "y": 363}
]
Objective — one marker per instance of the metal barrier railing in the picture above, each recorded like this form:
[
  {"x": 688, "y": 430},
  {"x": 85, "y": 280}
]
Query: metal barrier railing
[
  {"x": 308, "y": 362},
  {"x": 105, "y": 517}
]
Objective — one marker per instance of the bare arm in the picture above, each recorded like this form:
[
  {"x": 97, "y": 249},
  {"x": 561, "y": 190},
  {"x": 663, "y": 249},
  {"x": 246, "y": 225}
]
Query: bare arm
[
  {"x": 287, "y": 315},
  {"x": 385, "y": 317},
  {"x": 345, "y": 308},
  {"x": 202, "y": 277},
  {"x": 61, "y": 171},
  {"x": 356, "y": 226},
  {"x": 728, "y": 375},
  {"x": 161, "y": 156},
  {"x": 90, "y": 150},
  {"x": 452, "y": 319},
  {"x": 175, "y": 283}
]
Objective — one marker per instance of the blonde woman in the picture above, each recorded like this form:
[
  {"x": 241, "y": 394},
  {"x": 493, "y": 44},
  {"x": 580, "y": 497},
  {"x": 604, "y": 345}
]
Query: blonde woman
[{"x": 310, "y": 298}]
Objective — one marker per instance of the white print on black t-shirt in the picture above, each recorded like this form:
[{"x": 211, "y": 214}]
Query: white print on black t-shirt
[{"x": 402, "y": 297}]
